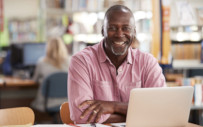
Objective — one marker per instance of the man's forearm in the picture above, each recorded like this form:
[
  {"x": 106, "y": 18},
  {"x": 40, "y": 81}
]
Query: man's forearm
[
  {"x": 116, "y": 118},
  {"x": 120, "y": 113},
  {"x": 121, "y": 108}
]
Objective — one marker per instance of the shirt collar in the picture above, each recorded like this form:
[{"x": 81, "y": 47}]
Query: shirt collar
[
  {"x": 103, "y": 57},
  {"x": 129, "y": 57}
]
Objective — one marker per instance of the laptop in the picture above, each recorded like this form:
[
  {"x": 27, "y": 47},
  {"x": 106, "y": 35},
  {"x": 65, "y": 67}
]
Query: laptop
[{"x": 159, "y": 107}]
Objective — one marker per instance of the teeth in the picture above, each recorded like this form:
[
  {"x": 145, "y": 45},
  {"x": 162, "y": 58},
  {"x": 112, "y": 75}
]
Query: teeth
[{"x": 119, "y": 43}]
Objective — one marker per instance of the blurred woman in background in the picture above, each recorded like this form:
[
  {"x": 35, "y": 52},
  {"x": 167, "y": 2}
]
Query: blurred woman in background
[
  {"x": 55, "y": 60},
  {"x": 135, "y": 44}
]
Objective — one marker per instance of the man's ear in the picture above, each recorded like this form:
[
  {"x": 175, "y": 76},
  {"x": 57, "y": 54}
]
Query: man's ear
[{"x": 102, "y": 31}]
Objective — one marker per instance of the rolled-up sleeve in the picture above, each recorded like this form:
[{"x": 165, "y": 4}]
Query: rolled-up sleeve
[{"x": 79, "y": 89}]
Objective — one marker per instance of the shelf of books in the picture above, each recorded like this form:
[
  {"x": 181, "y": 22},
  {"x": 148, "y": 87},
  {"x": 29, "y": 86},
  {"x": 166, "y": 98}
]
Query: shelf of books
[
  {"x": 187, "y": 34},
  {"x": 23, "y": 30}
]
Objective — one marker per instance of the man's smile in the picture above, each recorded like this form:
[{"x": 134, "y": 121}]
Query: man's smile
[{"x": 119, "y": 43}]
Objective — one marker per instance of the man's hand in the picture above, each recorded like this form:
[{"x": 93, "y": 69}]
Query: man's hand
[{"x": 96, "y": 109}]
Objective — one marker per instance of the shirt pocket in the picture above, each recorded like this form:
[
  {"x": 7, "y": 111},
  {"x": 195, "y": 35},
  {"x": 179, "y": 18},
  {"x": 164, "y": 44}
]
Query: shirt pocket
[
  {"x": 129, "y": 87},
  {"x": 103, "y": 90}
]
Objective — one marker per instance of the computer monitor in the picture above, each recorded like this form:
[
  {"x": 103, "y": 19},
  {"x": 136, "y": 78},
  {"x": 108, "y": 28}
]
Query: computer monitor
[
  {"x": 16, "y": 55},
  {"x": 32, "y": 52},
  {"x": 26, "y": 54}
]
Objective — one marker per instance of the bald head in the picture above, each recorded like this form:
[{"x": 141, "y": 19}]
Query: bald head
[{"x": 118, "y": 8}]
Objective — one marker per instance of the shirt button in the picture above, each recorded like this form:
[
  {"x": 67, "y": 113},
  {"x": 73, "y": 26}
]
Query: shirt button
[{"x": 120, "y": 70}]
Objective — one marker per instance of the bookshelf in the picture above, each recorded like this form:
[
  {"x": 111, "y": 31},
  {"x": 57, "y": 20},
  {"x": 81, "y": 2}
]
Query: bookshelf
[
  {"x": 186, "y": 30},
  {"x": 186, "y": 40},
  {"x": 23, "y": 30}
]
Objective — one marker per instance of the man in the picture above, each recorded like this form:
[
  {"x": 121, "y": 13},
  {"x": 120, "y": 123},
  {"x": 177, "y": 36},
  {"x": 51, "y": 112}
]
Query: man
[{"x": 101, "y": 77}]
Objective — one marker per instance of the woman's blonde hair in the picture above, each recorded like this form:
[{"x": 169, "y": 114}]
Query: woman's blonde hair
[{"x": 56, "y": 52}]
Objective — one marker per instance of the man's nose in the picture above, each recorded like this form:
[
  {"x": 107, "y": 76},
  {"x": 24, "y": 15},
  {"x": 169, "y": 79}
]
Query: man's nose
[{"x": 119, "y": 32}]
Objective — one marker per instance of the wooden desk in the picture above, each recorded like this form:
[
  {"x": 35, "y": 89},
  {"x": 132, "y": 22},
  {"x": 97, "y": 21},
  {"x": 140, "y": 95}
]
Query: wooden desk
[
  {"x": 9, "y": 86},
  {"x": 13, "y": 82}
]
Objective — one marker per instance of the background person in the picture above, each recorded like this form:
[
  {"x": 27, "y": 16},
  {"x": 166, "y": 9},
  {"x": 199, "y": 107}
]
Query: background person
[
  {"x": 101, "y": 76},
  {"x": 55, "y": 60}
]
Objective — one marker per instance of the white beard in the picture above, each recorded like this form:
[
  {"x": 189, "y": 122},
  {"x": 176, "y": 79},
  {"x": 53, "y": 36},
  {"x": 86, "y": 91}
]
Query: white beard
[{"x": 119, "y": 53}]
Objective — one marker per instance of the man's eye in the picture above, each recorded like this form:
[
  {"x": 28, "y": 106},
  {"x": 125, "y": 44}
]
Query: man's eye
[
  {"x": 112, "y": 28},
  {"x": 126, "y": 29}
]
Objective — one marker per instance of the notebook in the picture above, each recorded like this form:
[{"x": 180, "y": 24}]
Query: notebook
[{"x": 159, "y": 107}]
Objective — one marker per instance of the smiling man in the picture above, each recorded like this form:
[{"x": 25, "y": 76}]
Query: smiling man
[{"x": 101, "y": 76}]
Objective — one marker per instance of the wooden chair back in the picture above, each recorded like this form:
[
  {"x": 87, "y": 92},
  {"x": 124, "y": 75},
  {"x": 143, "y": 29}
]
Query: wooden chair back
[
  {"x": 16, "y": 116},
  {"x": 65, "y": 113}
]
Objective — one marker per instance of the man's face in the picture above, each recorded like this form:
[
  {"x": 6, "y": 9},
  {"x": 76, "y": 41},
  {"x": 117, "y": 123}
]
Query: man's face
[{"x": 118, "y": 31}]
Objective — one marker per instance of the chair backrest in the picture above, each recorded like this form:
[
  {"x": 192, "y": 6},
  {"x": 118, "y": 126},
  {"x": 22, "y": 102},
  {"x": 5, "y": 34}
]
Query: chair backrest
[
  {"x": 65, "y": 113},
  {"x": 55, "y": 86},
  {"x": 16, "y": 116}
]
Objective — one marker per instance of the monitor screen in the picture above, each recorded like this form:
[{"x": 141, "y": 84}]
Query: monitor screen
[{"x": 32, "y": 52}]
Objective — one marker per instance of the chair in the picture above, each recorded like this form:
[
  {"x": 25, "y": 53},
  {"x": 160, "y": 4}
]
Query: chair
[
  {"x": 65, "y": 113},
  {"x": 54, "y": 86},
  {"x": 16, "y": 116}
]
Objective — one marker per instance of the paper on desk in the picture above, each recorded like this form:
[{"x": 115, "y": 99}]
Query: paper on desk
[
  {"x": 118, "y": 124},
  {"x": 89, "y": 125}
]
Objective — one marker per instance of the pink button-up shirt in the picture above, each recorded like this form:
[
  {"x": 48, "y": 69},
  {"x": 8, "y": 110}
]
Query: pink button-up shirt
[{"x": 92, "y": 76}]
